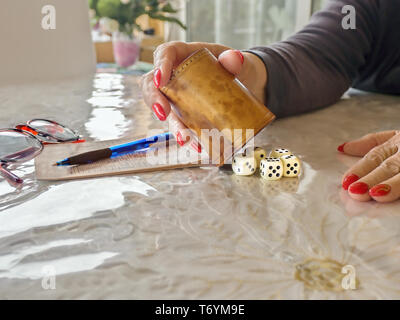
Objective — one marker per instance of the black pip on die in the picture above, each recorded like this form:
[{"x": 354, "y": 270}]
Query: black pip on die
[
  {"x": 258, "y": 153},
  {"x": 271, "y": 169},
  {"x": 291, "y": 166},
  {"x": 279, "y": 152},
  {"x": 244, "y": 165}
]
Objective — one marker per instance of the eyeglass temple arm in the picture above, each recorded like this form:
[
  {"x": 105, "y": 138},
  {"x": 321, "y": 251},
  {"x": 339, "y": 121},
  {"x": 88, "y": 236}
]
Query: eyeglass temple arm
[
  {"x": 23, "y": 153},
  {"x": 9, "y": 175}
]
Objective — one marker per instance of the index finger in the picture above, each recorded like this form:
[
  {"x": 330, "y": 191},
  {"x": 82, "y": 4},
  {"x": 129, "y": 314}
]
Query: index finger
[
  {"x": 371, "y": 160},
  {"x": 362, "y": 146},
  {"x": 165, "y": 58}
]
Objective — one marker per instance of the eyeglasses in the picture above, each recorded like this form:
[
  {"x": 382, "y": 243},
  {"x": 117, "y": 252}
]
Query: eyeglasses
[{"x": 26, "y": 141}]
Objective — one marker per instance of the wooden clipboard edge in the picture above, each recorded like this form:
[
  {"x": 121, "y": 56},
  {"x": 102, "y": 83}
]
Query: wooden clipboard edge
[{"x": 127, "y": 172}]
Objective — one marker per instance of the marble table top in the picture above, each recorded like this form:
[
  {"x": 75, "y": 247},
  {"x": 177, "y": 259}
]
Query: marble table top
[{"x": 195, "y": 233}]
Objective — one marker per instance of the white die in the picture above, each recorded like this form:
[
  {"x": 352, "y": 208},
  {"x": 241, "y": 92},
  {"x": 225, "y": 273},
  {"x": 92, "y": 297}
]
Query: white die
[
  {"x": 291, "y": 166},
  {"x": 279, "y": 152},
  {"x": 244, "y": 165},
  {"x": 271, "y": 169},
  {"x": 258, "y": 153}
]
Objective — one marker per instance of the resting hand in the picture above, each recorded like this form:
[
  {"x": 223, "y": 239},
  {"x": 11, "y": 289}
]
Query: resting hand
[
  {"x": 377, "y": 174},
  {"x": 248, "y": 68}
]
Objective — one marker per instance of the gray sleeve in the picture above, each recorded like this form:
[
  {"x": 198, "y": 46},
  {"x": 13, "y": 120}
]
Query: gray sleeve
[{"x": 314, "y": 67}]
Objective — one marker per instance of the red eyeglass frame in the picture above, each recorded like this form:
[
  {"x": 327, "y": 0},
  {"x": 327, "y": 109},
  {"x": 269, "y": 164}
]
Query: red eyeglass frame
[{"x": 40, "y": 136}]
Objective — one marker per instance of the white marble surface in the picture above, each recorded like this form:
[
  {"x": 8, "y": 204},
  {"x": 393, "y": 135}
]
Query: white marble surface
[{"x": 195, "y": 233}]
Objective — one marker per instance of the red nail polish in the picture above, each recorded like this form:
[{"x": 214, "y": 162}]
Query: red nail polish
[
  {"x": 196, "y": 146},
  {"x": 240, "y": 55},
  {"x": 380, "y": 190},
  {"x": 157, "y": 78},
  {"x": 351, "y": 178},
  {"x": 179, "y": 139},
  {"x": 341, "y": 147},
  {"x": 359, "y": 188},
  {"x": 159, "y": 111}
]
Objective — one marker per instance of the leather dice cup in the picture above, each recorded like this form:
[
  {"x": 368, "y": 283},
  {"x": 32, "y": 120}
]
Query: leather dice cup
[{"x": 206, "y": 96}]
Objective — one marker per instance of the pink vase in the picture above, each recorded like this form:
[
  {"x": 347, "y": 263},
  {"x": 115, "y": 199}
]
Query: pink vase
[{"x": 126, "y": 49}]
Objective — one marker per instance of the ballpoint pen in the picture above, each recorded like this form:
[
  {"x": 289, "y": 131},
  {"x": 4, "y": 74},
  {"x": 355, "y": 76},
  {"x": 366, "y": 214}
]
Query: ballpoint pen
[{"x": 113, "y": 152}]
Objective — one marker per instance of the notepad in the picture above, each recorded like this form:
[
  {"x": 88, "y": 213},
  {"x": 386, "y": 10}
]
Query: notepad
[{"x": 161, "y": 157}]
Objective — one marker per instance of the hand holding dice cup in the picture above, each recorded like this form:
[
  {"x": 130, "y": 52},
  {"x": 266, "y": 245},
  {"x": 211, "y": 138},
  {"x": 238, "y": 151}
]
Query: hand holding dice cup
[{"x": 244, "y": 66}]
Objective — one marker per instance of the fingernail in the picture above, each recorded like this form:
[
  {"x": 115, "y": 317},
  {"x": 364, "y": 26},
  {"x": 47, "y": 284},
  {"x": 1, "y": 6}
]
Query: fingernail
[
  {"x": 380, "y": 190},
  {"x": 159, "y": 111},
  {"x": 179, "y": 139},
  {"x": 359, "y": 188},
  {"x": 349, "y": 180},
  {"x": 341, "y": 147},
  {"x": 196, "y": 146},
  {"x": 240, "y": 55},
  {"x": 157, "y": 78}
]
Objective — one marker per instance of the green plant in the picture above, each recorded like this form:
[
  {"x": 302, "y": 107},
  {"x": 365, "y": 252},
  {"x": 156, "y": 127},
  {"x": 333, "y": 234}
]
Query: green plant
[{"x": 126, "y": 12}]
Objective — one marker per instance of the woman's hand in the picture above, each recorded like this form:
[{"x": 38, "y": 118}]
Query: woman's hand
[
  {"x": 377, "y": 174},
  {"x": 248, "y": 68}
]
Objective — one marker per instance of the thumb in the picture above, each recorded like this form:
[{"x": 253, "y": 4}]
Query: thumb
[{"x": 232, "y": 60}]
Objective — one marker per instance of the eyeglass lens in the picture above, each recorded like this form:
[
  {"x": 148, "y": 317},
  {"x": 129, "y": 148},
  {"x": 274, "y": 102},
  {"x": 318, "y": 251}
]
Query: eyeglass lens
[
  {"x": 17, "y": 146},
  {"x": 55, "y": 130}
]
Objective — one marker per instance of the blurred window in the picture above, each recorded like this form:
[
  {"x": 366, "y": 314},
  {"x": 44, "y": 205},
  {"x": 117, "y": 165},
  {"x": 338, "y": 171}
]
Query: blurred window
[
  {"x": 246, "y": 23},
  {"x": 318, "y": 4}
]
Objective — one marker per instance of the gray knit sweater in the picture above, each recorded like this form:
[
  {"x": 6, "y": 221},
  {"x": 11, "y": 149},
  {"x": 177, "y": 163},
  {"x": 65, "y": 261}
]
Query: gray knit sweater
[{"x": 314, "y": 67}]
